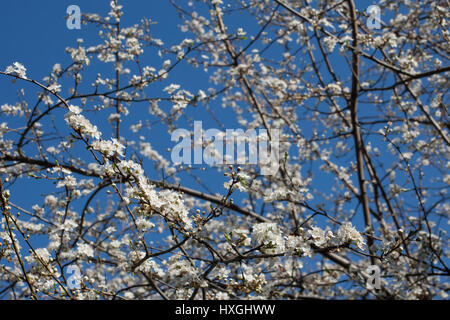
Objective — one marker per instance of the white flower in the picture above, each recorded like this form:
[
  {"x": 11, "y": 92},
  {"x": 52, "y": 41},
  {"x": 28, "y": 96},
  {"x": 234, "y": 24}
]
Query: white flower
[
  {"x": 243, "y": 235},
  {"x": 296, "y": 245},
  {"x": 275, "y": 194},
  {"x": 318, "y": 236},
  {"x": 172, "y": 205},
  {"x": 79, "y": 55},
  {"x": 269, "y": 236},
  {"x": 330, "y": 43},
  {"x": 446, "y": 179},
  {"x": 201, "y": 95},
  {"x": 113, "y": 117},
  {"x": 74, "y": 109},
  {"x": 251, "y": 278},
  {"x": 134, "y": 46},
  {"x": 136, "y": 168},
  {"x": 241, "y": 32},
  {"x": 144, "y": 225},
  {"x": 407, "y": 155},
  {"x": 334, "y": 88},
  {"x": 109, "y": 147},
  {"x": 151, "y": 266},
  {"x": 57, "y": 68},
  {"x": 55, "y": 87},
  {"x": 11, "y": 110},
  {"x": 52, "y": 150},
  {"x": 18, "y": 69},
  {"x": 43, "y": 254},
  {"x": 166, "y": 64},
  {"x": 51, "y": 201},
  {"x": 171, "y": 89},
  {"x": 85, "y": 250},
  {"x": 78, "y": 122},
  {"x": 347, "y": 233},
  {"x": 69, "y": 181},
  {"x": 222, "y": 296},
  {"x": 182, "y": 270}
]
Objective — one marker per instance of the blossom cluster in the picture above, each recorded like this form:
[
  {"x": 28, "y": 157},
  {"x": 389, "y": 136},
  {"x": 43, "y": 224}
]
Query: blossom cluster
[{"x": 17, "y": 69}]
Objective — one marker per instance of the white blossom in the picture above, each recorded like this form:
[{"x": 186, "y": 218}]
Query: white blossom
[
  {"x": 109, "y": 148},
  {"x": 348, "y": 234},
  {"x": 269, "y": 236},
  {"x": 78, "y": 122},
  {"x": 84, "y": 250},
  {"x": 17, "y": 69}
]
